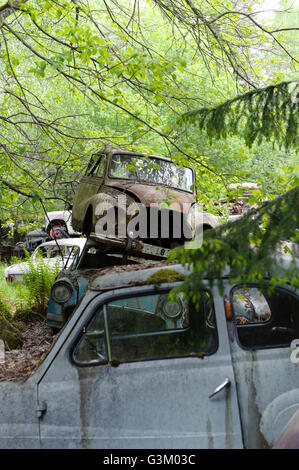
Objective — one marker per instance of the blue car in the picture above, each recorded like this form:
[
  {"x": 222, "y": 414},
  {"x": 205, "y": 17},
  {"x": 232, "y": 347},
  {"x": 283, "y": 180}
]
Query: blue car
[{"x": 70, "y": 284}]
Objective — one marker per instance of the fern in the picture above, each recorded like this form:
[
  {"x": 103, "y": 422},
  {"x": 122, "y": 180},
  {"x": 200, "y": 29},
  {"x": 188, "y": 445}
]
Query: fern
[
  {"x": 38, "y": 278},
  {"x": 5, "y": 310}
]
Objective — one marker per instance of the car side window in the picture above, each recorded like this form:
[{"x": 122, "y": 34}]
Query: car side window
[
  {"x": 96, "y": 166},
  {"x": 262, "y": 320},
  {"x": 92, "y": 345},
  {"x": 149, "y": 327}
]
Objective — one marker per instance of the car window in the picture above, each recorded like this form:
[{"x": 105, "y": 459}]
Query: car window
[
  {"x": 96, "y": 166},
  {"x": 149, "y": 327},
  {"x": 262, "y": 320},
  {"x": 92, "y": 346},
  {"x": 152, "y": 170}
]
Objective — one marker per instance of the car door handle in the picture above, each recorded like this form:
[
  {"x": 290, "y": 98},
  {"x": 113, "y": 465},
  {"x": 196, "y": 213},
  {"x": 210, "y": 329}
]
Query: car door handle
[{"x": 224, "y": 384}]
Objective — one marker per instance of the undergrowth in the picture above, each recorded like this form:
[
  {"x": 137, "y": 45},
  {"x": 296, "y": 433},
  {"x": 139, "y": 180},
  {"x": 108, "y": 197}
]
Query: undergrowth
[
  {"x": 30, "y": 296},
  {"x": 38, "y": 279}
]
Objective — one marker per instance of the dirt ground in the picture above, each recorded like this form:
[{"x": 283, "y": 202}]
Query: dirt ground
[{"x": 21, "y": 363}]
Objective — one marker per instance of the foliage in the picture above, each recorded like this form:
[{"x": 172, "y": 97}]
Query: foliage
[
  {"x": 16, "y": 293},
  {"x": 270, "y": 113},
  {"x": 38, "y": 278},
  {"x": 244, "y": 250},
  {"x": 74, "y": 75},
  {"x": 5, "y": 310}
]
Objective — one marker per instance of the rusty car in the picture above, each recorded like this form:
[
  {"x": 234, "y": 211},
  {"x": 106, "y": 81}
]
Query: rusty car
[
  {"x": 135, "y": 368},
  {"x": 166, "y": 191}
]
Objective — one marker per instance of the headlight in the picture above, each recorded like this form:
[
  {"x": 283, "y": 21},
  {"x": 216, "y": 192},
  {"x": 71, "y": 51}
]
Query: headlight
[
  {"x": 172, "y": 309},
  {"x": 61, "y": 292}
]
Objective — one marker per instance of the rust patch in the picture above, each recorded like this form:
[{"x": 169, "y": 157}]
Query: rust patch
[
  {"x": 229, "y": 439},
  {"x": 88, "y": 377},
  {"x": 256, "y": 439},
  {"x": 210, "y": 435},
  {"x": 148, "y": 194}
]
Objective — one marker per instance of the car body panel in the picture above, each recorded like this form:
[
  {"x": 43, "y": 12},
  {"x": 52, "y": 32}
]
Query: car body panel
[
  {"x": 157, "y": 403},
  {"x": 78, "y": 277},
  {"x": 171, "y": 406},
  {"x": 149, "y": 194}
]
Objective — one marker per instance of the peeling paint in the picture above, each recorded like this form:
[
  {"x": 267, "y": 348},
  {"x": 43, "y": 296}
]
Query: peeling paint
[{"x": 88, "y": 377}]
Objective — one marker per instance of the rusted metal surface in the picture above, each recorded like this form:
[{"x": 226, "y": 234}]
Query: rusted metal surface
[
  {"x": 94, "y": 190},
  {"x": 148, "y": 194},
  {"x": 131, "y": 247}
]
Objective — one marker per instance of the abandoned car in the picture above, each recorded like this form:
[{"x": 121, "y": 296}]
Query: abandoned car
[
  {"x": 133, "y": 368},
  {"x": 58, "y": 224},
  {"x": 152, "y": 191},
  {"x": 61, "y": 253},
  {"x": 233, "y": 209},
  {"x": 98, "y": 253}
]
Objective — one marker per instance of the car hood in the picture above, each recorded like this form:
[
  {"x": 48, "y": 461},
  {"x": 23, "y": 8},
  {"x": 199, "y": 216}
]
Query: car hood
[
  {"x": 19, "y": 268},
  {"x": 148, "y": 194}
]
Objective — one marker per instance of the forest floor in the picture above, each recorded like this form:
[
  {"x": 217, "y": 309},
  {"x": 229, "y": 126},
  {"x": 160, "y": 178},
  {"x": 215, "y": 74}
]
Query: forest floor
[{"x": 19, "y": 364}]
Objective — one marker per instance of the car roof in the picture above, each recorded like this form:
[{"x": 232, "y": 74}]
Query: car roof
[
  {"x": 118, "y": 276},
  {"x": 124, "y": 275},
  {"x": 65, "y": 242}
]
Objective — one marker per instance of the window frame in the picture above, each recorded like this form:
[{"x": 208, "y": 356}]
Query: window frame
[
  {"x": 261, "y": 324},
  {"x": 94, "y": 164},
  {"x": 119, "y": 294},
  {"x": 190, "y": 191}
]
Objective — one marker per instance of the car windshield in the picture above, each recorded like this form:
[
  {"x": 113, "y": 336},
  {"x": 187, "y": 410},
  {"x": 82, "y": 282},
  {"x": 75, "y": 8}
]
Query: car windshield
[
  {"x": 54, "y": 251},
  {"x": 151, "y": 170}
]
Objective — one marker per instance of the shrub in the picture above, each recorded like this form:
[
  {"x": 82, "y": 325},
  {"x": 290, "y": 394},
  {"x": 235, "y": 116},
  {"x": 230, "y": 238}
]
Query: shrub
[
  {"x": 38, "y": 278},
  {"x": 5, "y": 310},
  {"x": 9, "y": 333}
]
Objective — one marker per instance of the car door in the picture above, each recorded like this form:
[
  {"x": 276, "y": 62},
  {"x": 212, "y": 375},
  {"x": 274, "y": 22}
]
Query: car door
[
  {"x": 88, "y": 186},
  {"x": 263, "y": 331},
  {"x": 138, "y": 371}
]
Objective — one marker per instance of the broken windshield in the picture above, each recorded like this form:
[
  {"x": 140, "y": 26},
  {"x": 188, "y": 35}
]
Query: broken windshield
[{"x": 151, "y": 170}]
